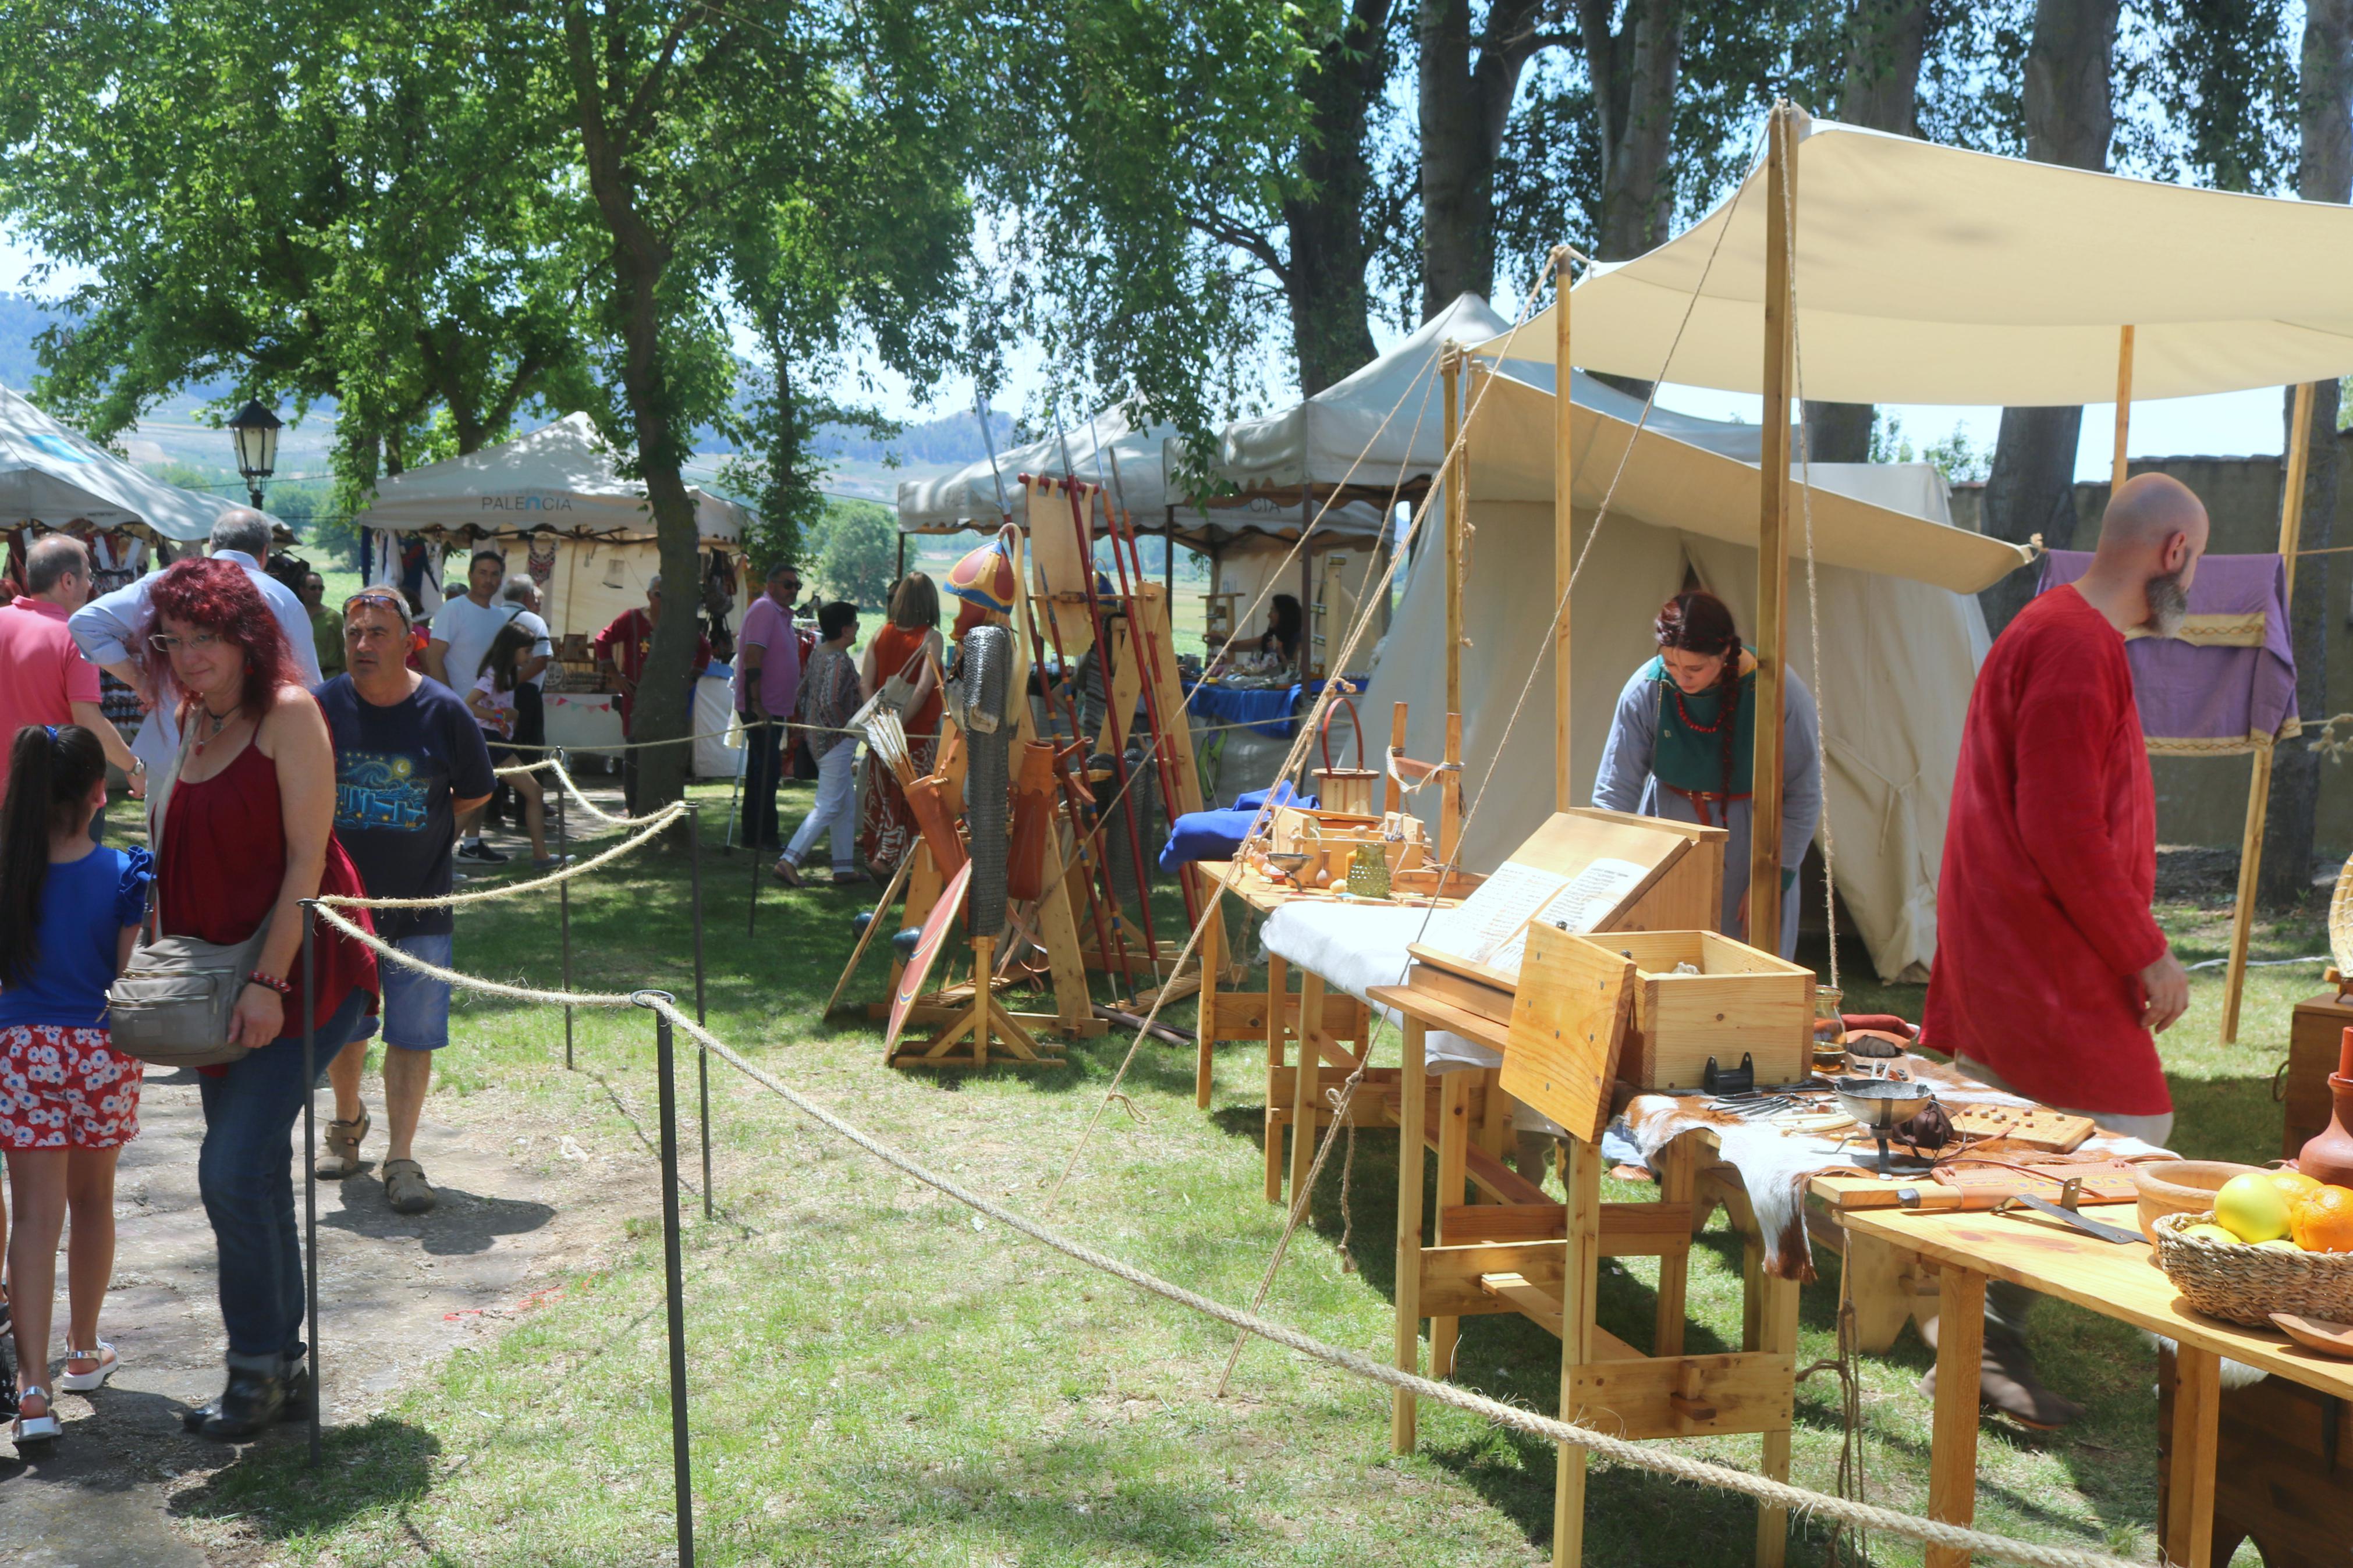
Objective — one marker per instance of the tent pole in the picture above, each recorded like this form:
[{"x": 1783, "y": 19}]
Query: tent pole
[
  {"x": 1564, "y": 529},
  {"x": 1772, "y": 549},
  {"x": 2259, "y": 785},
  {"x": 1450, "y": 375},
  {"x": 2124, "y": 405}
]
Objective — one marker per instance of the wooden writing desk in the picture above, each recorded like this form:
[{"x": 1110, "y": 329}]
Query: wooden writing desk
[
  {"x": 2115, "y": 1281},
  {"x": 1541, "y": 1261}
]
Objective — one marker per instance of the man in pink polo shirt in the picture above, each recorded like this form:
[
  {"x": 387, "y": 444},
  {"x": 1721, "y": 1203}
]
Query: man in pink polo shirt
[{"x": 44, "y": 678}]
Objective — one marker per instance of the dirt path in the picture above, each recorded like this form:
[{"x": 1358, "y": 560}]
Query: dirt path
[{"x": 520, "y": 1203}]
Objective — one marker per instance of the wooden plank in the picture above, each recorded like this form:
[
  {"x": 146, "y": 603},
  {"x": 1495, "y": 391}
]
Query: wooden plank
[
  {"x": 2190, "y": 1464},
  {"x": 1685, "y": 1397},
  {"x": 1495, "y": 1179},
  {"x": 1306, "y": 1102},
  {"x": 1412, "y": 1110},
  {"x": 1450, "y": 376},
  {"x": 1439, "y": 1014},
  {"x": 1539, "y": 1306},
  {"x": 1568, "y": 1023},
  {"x": 1776, "y": 1336},
  {"x": 1278, "y": 980},
  {"x": 1564, "y": 534},
  {"x": 1881, "y": 1283},
  {"x": 1453, "y": 1145},
  {"x": 1206, "y": 1013},
  {"x": 1679, "y": 1163},
  {"x": 1628, "y": 1230},
  {"x": 1953, "y": 1428}
]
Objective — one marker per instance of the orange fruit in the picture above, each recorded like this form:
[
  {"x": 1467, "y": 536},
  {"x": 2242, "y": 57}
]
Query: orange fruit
[
  {"x": 2323, "y": 1222},
  {"x": 2294, "y": 1185}
]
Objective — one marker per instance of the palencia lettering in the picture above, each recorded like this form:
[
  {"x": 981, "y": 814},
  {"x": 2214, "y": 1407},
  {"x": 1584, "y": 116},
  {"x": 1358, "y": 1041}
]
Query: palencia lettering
[{"x": 527, "y": 501}]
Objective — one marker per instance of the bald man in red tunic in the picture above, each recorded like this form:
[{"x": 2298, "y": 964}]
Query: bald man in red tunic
[{"x": 2052, "y": 977}]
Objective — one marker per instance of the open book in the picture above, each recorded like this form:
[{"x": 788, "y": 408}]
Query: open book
[{"x": 1491, "y": 926}]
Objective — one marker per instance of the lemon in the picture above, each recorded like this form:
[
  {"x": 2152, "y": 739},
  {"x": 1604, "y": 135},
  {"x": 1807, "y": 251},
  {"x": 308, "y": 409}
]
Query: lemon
[
  {"x": 2252, "y": 1207},
  {"x": 2211, "y": 1233},
  {"x": 2280, "y": 1243}
]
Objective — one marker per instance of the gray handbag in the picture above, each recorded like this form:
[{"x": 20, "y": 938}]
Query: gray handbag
[{"x": 175, "y": 1001}]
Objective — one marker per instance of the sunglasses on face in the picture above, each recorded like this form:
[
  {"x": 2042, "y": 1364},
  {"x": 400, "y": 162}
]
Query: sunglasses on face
[{"x": 393, "y": 601}]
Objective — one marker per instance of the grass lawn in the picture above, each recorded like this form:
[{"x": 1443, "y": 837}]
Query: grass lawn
[{"x": 879, "y": 1377}]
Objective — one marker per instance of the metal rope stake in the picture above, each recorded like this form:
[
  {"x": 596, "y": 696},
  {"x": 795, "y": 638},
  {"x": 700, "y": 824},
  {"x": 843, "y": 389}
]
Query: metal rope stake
[
  {"x": 674, "y": 1272},
  {"x": 563, "y": 903},
  {"x": 310, "y": 1163},
  {"x": 701, "y": 1056}
]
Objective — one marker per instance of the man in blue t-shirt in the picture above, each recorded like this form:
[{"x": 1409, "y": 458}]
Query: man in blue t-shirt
[{"x": 409, "y": 762}]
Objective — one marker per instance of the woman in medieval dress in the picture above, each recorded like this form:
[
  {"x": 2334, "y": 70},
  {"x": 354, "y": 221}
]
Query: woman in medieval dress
[{"x": 1682, "y": 742}]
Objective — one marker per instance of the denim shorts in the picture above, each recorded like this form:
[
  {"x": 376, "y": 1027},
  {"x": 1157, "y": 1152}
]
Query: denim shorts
[{"x": 417, "y": 1006}]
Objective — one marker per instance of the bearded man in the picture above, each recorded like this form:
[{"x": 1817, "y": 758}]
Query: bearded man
[{"x": 2052, "y": 977}]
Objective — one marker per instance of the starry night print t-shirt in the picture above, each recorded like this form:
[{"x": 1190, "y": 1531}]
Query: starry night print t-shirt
[{"x": 397, "y": 769}]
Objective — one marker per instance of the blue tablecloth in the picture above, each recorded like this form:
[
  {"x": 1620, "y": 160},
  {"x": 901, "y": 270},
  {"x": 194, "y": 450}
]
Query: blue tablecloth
[{"x": 1268, "y": 711}]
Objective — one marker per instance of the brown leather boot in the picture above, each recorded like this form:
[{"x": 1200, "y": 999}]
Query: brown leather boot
[{"x": 2007, "y": 1382}]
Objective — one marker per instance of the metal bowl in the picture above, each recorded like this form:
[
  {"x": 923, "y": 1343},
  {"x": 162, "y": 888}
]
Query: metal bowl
[{"x": 1882, "y": 1105}]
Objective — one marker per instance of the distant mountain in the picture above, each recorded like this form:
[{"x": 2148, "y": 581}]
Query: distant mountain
[
  {"x": 954, "y": 439},
  {"x": 21, "y": 321}
]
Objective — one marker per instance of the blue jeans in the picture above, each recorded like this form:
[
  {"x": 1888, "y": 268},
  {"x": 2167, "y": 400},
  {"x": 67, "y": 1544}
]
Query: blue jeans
[{"x": 245, "y": 1173}]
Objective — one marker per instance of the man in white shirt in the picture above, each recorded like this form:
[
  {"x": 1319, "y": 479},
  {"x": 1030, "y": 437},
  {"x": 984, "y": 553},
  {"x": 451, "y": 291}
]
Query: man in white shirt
[
  {"x": 464, "y": 628},
  {"x": 108, "y": 629}
]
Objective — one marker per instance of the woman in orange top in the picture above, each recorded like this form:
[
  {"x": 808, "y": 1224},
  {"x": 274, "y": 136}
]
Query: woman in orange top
[{"x": 885, "y": 827}]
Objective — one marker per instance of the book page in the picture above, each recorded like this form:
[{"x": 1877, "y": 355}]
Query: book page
[
  {"x": 1577, "y": 906},
  {"x": 1495, "y": 912}
]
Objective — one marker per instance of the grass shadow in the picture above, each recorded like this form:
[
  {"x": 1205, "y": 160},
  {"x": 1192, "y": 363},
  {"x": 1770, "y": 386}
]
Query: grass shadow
[{"x": 272, "y": 1487}]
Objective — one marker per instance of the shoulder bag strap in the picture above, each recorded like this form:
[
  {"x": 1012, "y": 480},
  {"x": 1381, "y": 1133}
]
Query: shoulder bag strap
[{"x": 158, "y": 807}]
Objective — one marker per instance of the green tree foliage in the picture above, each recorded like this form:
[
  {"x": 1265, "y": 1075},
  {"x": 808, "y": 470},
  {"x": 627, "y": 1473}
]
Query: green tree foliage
[{"x": 857, "y": 553}]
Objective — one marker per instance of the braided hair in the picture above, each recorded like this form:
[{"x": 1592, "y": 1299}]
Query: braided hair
[{"x": 1698, "y": 622}]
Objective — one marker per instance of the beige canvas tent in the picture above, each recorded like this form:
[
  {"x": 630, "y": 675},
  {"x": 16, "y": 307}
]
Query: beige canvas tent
[{"x": 1902, "y": 636}]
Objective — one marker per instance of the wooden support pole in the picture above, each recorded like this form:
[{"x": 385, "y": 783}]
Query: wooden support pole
[
  {"x": 1772, "y": 547},
  {"x": 1392, "y": 791},
  {"x": 2259, "y": 782},
  {"x": 1411, "y": 1111},
  {"x": 1564, "y": 529},
  {"x": 2124, "y": 405},
  {"x": 1579, "y": 1301},
  {"x": 1953, "y": 1426},
  {"x": 1450, "y": 785},
  {"x": 1450, "y": 375}
]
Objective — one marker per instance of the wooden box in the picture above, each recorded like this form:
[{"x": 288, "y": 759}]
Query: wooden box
[
  {"x": 2312, "y": 1045},
  {"x": 1743, "y": 1001}
]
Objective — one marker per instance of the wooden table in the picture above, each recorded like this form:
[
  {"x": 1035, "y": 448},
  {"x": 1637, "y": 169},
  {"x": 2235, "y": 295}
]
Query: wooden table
[
  {"x": 2114, "y": 1280},
  {"x": 1541, "y": 1259}
]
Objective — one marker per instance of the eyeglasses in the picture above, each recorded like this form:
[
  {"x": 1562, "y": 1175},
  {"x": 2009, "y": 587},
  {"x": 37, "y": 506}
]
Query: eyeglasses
[{"x": 168, "y": 645}]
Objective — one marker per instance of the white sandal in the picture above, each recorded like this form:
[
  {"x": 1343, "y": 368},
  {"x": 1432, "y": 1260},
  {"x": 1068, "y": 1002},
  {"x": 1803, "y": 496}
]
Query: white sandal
[
  {"x": 87, "y": 1381},
  {"x": 41, "y": 1428}
]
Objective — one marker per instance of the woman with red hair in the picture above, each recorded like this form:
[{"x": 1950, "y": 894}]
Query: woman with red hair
[
  {"x": 1681, "y": 747},
  {"x": 246, "y": 823}
]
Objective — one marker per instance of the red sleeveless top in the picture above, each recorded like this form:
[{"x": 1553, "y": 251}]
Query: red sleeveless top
[{"x": 217, "y": 878}]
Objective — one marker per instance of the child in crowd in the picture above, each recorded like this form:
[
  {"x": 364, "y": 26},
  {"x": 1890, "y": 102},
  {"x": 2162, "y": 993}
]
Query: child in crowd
[
  {"x": 493, "y": 701},
  {"x": 69, "y": 912}
]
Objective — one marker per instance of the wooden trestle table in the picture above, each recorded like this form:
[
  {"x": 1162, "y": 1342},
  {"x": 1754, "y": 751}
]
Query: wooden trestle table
[
  {"x": 1527, "y": 1254},
  {"x": 2115, "y": 1281}
]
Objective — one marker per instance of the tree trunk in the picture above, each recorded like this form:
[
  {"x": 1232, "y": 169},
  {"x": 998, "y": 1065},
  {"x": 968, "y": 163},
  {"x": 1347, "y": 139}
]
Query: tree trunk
[
  {"x": 1885, "y": 41},
  {"x": 663, "y": 705},
  {"x": 1634, "y": 72},
  {"x": 2068, "y": 120},
  {"x": 1326, "y": 280},
  {"x": 2324, "y": 173},
  {"x": 1464, "y": 100}
]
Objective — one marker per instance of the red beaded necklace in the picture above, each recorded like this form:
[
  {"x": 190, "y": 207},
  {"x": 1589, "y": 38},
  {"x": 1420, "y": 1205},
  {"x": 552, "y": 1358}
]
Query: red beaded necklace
[{"x": 1684, "y": 714}]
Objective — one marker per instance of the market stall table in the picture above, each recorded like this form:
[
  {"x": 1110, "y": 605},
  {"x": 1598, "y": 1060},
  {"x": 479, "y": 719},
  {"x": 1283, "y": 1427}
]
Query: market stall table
[{"x": 2115, "y": 1280}]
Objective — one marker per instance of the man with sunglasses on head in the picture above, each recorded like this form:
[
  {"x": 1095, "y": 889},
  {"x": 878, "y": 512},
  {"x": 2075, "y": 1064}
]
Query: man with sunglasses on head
[
  {"x": 107, "y": 629},
  {"x": 410, "y": 760}
]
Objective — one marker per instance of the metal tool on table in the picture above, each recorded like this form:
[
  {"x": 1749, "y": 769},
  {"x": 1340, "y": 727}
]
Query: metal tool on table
[
  {"x": 1883, "y": 1105},
  {"x": 2066, "y": 1211}
]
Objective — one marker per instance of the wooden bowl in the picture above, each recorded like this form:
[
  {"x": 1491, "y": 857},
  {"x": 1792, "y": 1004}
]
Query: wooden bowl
[{"x": 2179, "y": 1186}]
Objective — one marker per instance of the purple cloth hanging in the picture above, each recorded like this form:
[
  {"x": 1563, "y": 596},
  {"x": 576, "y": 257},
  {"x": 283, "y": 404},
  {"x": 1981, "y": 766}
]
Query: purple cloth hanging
[{"x": 2211, "y": 697}]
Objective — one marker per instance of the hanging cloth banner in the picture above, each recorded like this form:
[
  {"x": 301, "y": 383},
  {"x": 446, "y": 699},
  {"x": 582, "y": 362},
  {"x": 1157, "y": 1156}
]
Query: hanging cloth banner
[{"x": 2226, "y": 684}]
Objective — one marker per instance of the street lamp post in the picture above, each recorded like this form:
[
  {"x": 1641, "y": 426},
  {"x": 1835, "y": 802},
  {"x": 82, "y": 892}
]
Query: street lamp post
[{"x": 255, "y": 429}]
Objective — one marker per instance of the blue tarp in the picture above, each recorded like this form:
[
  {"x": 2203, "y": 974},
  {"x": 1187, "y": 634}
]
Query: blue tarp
[{"x": 1217, "y": 835}]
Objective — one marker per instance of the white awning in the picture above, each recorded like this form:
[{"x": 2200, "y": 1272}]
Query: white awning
[
  {"x": 1668, "y": 483},
  {"x": 562, "y": 478},
  {"x": 51, "y": 476},
  {"x": 1929, "y": 274}
]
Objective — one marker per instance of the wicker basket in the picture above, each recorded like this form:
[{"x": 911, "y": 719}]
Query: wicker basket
[{"x": 2239, "y": 1283}]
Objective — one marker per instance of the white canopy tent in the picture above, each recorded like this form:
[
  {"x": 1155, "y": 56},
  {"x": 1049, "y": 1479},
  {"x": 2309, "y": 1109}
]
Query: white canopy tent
[
  {"x": 556, "y": 504},
  {"x": 52, "y": 477},
  {"x": 1914, "y": 273},
  {"x": 1929, "y": 274},
  {"x": 1901, "y": 635}
]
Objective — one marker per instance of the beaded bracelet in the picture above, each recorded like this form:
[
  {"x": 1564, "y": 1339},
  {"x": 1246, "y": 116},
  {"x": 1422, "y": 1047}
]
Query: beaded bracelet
[{"x": 271, "y": 981}]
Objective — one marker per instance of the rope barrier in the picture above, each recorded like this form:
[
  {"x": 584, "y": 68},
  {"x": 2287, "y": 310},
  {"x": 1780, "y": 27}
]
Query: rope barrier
[
  {"x": 652, "y": 826},
  {"x": 1648, "y": 1456}
]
